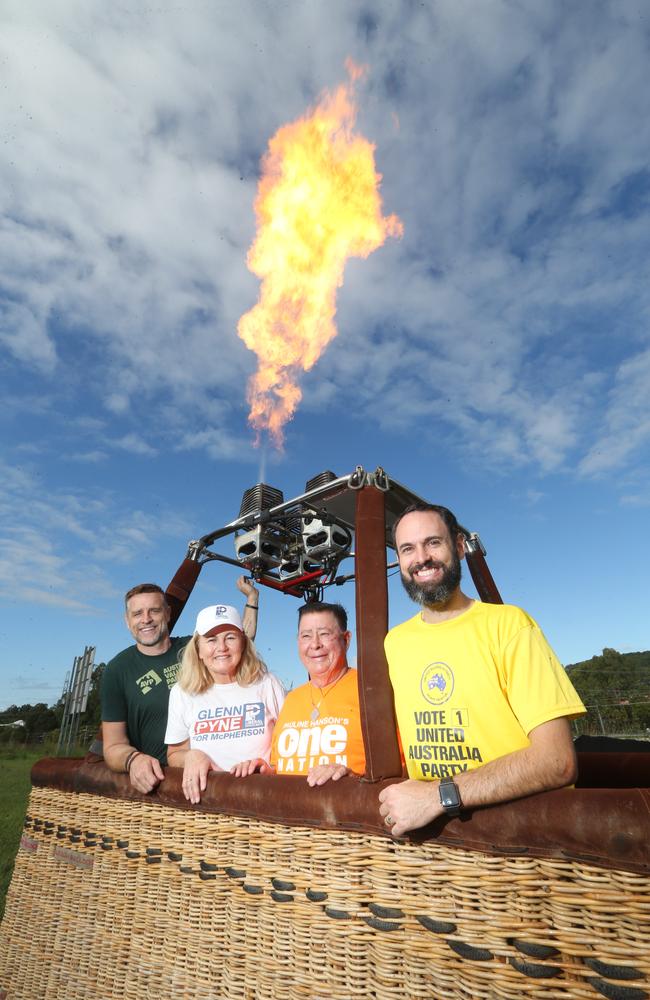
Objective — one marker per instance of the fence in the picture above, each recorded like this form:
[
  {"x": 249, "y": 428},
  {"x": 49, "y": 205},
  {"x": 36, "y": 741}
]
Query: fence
[
  {"x": 629, "y": 719},
  {"x": 17, "y": 736}
]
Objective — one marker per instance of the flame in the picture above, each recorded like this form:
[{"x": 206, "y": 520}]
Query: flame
[{"x": 318, "y": 203}]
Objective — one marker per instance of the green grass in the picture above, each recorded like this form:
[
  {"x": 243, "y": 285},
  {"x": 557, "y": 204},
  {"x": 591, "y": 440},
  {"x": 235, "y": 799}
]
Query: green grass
[
  {"x": 15, "y": 785},
  {"x": 14, "y": 792}
]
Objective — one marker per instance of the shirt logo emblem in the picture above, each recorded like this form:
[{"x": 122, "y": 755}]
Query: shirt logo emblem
[
  {"x": 437, "y": 683},
  {"x": 148, "y": 681}
]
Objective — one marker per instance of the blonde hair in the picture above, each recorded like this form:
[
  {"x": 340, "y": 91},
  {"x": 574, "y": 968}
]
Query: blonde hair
[{"x": 195, "y": 678}]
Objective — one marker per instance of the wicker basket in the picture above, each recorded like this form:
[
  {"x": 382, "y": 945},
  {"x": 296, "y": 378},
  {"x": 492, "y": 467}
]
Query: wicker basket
[{"x": 128, "y": 897}]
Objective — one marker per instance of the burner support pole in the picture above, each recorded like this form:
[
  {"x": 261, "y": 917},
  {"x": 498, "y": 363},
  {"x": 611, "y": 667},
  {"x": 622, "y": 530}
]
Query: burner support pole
[
  {"x": 383, "y": 758},
  {"x": 180, "y": 587}
]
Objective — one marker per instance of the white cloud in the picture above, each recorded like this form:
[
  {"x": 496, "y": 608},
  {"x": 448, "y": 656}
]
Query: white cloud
[
  {"x": 23, "y": 332},
  {"x": 20, "y": 682},
  {"x": 217, "y": 444},
  {"x": 128, "y": 179},
  {"x": 89, "y": 457},
  {"x": 625, "y": 429},
  {"x": 636, "y": 499},
  {"x": 135, "y": 444},
  {"x": 56, "y": 548}
]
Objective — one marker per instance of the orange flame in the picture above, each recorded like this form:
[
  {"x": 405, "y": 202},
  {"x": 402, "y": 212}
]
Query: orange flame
[{"x": 318, "y": 203}]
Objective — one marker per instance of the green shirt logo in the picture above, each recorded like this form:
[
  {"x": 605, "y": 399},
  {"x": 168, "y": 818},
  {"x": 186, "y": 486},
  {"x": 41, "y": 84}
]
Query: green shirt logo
[{"x": 148, "y": 681}]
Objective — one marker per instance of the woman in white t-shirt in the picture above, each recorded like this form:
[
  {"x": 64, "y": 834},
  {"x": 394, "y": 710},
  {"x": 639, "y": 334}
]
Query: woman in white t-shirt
[{"x": 224, "y": 706}]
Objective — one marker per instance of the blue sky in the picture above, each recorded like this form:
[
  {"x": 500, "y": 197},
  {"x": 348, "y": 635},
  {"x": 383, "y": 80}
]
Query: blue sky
[{"x": 495, "y": 359}]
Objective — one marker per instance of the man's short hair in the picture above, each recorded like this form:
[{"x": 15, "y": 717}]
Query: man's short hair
[
  {"x": 453, "y": 527},
  {"x": 317, "y": 607},
  {"x": 143, "y": 588}
]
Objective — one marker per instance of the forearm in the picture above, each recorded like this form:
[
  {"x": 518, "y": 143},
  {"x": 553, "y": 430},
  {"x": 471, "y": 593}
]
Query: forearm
[
  {"x": 520, "y": 773},
  {"x": 249, "y": 618},
  {"x": 176, "y": 757},
  {"x": 144, "y": 771},
  {"x": 117, "y": 756},
  {"x": 549, "y": 762},
  {"x": 117, "y": 749},
  {"x": 183, "y": 755}
]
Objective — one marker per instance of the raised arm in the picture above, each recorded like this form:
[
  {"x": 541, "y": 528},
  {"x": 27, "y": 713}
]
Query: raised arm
[
  {"x": 249, "y": 617},
  {"x": 144, "y": 772},
  {"x": 549, "y": 762}
]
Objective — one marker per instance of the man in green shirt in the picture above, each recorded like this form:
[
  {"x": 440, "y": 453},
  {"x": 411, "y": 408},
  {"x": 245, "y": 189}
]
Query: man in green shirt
[{"x": 137, "y": 682}]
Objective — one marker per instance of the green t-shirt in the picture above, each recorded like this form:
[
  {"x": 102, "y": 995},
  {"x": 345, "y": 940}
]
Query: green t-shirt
[{"x": 135, "y": 690}]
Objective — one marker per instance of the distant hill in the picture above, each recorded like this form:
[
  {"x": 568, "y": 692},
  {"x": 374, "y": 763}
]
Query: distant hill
[{"x": 616, "y": 685}]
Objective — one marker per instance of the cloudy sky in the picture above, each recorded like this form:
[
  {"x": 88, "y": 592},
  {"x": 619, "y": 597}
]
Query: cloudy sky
[{"x": 495, "y": 359}]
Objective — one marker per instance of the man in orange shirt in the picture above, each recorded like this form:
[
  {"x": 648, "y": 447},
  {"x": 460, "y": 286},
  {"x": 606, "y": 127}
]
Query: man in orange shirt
[{"x": 318, "y": 732}]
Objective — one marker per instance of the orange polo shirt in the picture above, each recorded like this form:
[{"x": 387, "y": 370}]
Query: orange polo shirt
[{"x": 301, "y": 742}]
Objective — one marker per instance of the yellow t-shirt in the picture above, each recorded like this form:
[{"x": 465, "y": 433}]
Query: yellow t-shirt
[
  {"x": 471, "y": 689},
  {"x": 300, "y": 742}
]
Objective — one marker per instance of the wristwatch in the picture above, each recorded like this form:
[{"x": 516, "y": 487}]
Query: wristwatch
[{"x": 450, "y": 799}]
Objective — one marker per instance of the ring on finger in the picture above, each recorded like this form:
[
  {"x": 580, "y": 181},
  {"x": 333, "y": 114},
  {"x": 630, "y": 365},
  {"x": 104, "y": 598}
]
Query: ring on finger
[{"x": 389, "y": 821}]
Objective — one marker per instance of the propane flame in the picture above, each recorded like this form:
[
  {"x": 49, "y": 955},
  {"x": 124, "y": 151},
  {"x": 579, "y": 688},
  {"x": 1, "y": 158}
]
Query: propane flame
[{"x": 318, "y": 203}]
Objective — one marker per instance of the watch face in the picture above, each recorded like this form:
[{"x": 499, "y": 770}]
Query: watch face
[{"x": 449, "y": 796}]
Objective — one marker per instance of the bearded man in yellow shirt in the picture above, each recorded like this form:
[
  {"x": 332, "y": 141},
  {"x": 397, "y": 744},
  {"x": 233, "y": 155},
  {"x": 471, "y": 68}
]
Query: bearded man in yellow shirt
[{"x": 482, "y": 702}]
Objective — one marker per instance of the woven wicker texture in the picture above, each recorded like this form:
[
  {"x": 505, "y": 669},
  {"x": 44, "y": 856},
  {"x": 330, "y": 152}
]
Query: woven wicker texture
[{"x": 133, "y": 900}]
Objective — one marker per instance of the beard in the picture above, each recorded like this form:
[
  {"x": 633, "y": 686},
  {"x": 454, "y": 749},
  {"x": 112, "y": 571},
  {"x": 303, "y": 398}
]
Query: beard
[
  {"x": 153, "y": 640},
  {"x": 438, "y": 593}
]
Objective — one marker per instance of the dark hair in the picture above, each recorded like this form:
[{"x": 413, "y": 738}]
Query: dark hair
[
  {"x": 317, "y": 607},
  {"x": 453, "y": 527},
  {"x": 143, "y": 588}
]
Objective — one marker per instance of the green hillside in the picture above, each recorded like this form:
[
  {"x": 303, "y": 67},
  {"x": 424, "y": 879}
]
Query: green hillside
[{"x": 616, "y": 688}]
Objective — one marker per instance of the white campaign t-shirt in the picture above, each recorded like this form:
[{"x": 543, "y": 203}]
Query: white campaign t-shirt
[{"x": 229, "y": 722}]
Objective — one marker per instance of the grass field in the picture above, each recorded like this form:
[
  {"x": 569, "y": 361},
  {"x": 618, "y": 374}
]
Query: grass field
[
  {"x": 14, "y": 793},
  {"x": 15, "y": 785}
]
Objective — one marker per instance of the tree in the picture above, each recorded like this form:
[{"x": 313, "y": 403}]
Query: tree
[
  {"x": 617, "y": 687},
  {"x": 93, "y": 716}
]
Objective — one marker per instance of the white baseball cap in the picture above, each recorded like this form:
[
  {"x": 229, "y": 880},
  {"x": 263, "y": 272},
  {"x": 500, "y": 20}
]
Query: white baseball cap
[{"x": 216, "y": 618}]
